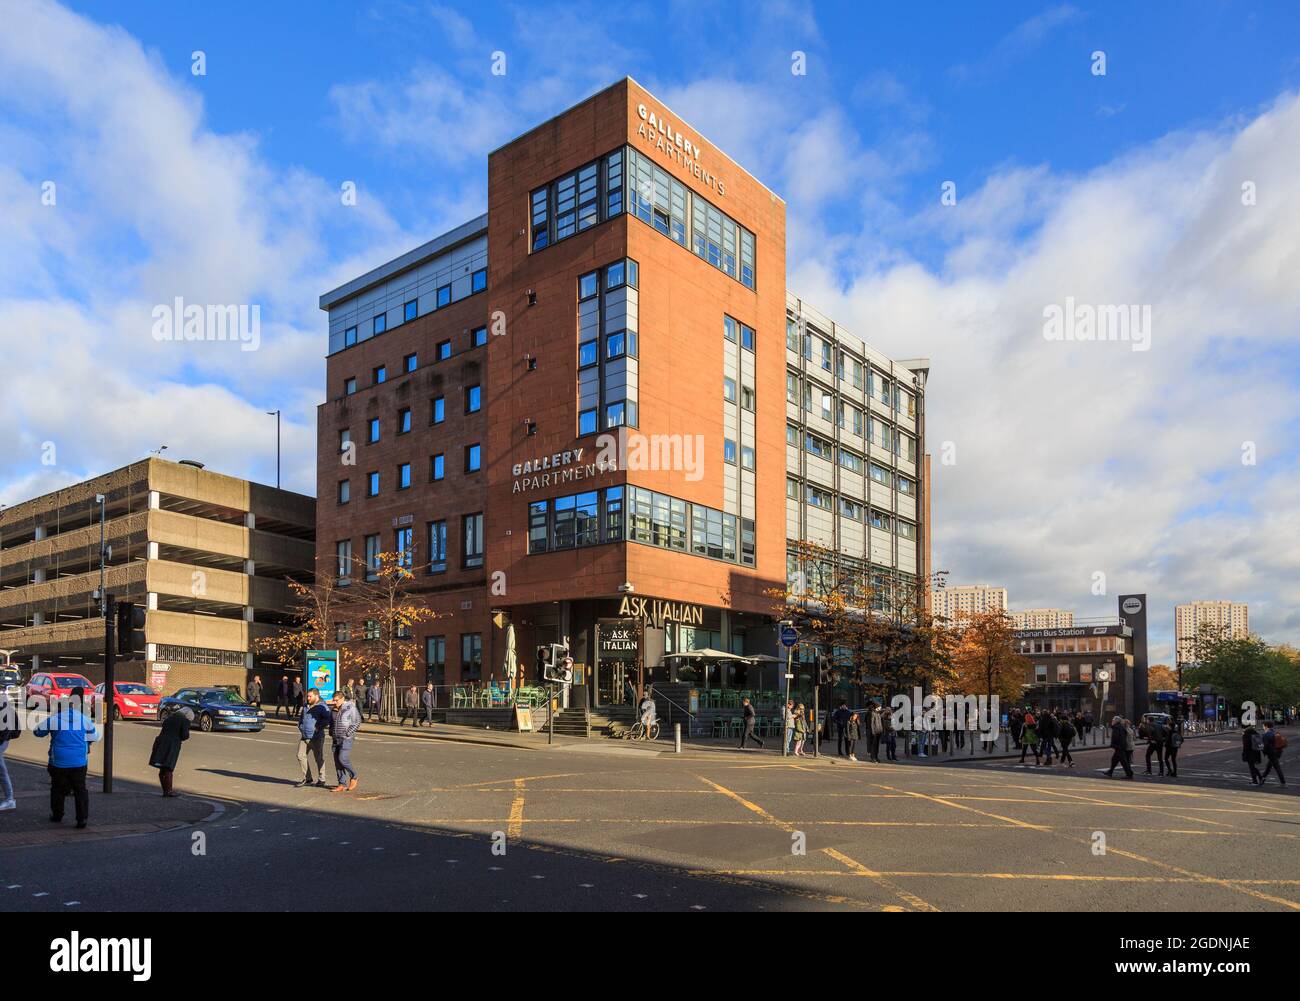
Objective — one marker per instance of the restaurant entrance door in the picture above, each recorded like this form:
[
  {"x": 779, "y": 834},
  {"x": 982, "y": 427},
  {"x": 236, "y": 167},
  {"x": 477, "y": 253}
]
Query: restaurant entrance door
[
  {"x": 618, "y": 649},
  {"x": 612, "y": 680}
]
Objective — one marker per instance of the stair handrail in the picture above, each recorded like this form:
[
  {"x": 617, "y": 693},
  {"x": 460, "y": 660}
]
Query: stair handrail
[{"x": 690, "y": 727}]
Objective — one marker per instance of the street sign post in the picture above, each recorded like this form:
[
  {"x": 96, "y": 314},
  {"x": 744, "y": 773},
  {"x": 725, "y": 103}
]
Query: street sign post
[{"x": 789, "y": 637}]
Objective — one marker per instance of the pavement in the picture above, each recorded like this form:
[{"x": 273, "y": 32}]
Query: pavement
[{"x": 607, "y": 826}]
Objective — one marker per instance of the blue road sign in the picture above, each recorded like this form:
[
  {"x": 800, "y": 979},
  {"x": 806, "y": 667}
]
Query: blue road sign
[{"x": 789, "y": 636}]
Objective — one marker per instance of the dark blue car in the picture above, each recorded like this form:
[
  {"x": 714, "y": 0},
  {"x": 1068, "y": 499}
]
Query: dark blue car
[{"x": 215, "y": 709}]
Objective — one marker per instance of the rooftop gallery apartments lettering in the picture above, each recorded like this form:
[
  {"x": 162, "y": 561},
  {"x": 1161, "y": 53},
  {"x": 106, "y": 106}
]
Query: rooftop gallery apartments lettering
[{"x": 658, "y": 132}]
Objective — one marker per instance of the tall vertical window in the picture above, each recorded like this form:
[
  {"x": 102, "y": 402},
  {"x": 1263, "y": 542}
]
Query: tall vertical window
[
  {"x": 472, "y": 534},
  {"x": 404, "y": 546},
  {"x": 345, "y": 491},
  {"x": 471, "y": 657},
  {"x": 473, "y": 458},
  {"x": 473, "y": 399},
  {"x": 404, "y": 476},
  {"x": 437, "y": 411},
  {"x": 437, "y": 546},
  {"x": 435, "y": 661},
  {"x": 372, "y": 557},
  {"x": 344, "y": 551},
  {"x": 437, "y": 467}
]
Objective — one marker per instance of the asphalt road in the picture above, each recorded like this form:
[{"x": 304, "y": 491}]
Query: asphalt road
[{"x": 599, "y": 826}]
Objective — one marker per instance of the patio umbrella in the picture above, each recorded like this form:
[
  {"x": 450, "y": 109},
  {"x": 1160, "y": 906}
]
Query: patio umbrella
[{"x": 509, "y": 672}]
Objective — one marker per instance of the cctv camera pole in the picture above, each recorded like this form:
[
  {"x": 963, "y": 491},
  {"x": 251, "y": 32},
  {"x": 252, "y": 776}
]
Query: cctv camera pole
[{"x": 110, "y": 665}]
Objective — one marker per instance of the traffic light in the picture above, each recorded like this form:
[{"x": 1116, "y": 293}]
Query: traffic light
[
  {"x": 130, "y": 629},
  {"x": 560, "y": 665},
  {"x": 544, "y": 661},
  {"x": 823, "y": 669}
]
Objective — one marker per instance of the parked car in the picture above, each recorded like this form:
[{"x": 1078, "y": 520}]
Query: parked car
[
  {"x": 11, "y": 683},
  {"x": 131, "y": 700},
  {"x": 215, "y": 709},
  {"x": 44, "y": 687}
]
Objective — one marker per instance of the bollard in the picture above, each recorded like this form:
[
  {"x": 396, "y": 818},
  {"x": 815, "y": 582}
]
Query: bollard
[{"x": 677, "y": 738}]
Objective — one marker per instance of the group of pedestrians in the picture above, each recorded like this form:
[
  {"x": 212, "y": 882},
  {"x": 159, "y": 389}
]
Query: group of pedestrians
[
  {"x": 1255, "y": 746},
  {"x": 289, "y": 695},
  {"x": 1049, "y": 733},
  {"x": 341, "y": 719},
  {"x": 417, "y": 706},
  {"x": 875, "y": 726}
]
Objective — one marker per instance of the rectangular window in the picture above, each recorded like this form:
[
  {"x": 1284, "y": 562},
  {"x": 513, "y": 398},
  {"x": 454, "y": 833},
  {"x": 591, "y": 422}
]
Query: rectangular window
[
  {"x": 344, "y": 551},
  {"x": 472, "y": 535},
  {"x": 473, "y": 458},
  {"x": 435, "y": 661},
  {"x": 404, "y": 546},
  {"x": 587, "y": 422},
  {"x": 1040, "y": 673},
  {"x": 851, "y": 461},
  {"x": 473, "y": 399},
  {"x": 613, "y": 514},
  {"x": 471, "y": 657},
  {"x": 746, "y": 457},
  {"x": 372, "y": 430},
  {"x": 437, "y": 546},
  {"x": 538, "y": 526},
  {"x": 730, "y": 329},
  {"x": 404, "y": 420},
  {"x": 729, "y": 389},
  {"x": 906, "y": 530},
  {"x": 443, "y": 350},
  {"x": 349, "y": 337},
  {"x": 372, "y": 485},
  {"x": 747, "y": 397},
  {"x": 444, "y": 296},
  {"x": 349, "y": 385},
  {"x": 728, "y": 451},
  {"x": 791, "y": 335},
  {"x": 381, "y": 323},
  {"x": 410, "y": 363},
  {"x": 850, "y": 509},
  {"x": 404, "y": 476},
  {"x": 1085, "y": 673},
  {"x": 437, "y": 468},
  {"x": 792, "y": 387},
  {"x": 409, "y": 311},
  {"x": 478, "y": 337},
  {"x": 818, "y": 497},
  {"x": 380, "y": 374},
  {"x": 345, "y": 491},
  {"x": 437, "y": 412},
  {"x": 747, "y": 337},
  {"x": 478, "y": 280},
  {"x": 792, "y": 488},
  {"x": 372, "y": 557},
  {"x": 588, "y": 354},
  {"x": 345, "y": 439}
]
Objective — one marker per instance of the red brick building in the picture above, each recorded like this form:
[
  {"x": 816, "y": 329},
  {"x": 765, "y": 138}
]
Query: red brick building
[{"x": 598, "y": 401}]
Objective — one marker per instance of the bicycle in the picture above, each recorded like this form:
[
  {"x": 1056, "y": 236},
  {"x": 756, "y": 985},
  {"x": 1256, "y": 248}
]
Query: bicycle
[{"x": 637, "y": 731}]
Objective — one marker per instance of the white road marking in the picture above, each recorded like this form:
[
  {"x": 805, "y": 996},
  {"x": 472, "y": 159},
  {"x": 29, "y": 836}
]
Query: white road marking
[
  {"x": 71, "y": 903},
  {"x": 41, "y": 894}
]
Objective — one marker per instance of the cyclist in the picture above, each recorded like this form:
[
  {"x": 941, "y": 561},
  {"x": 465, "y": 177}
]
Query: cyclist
[{"x": 647, "y": 712}]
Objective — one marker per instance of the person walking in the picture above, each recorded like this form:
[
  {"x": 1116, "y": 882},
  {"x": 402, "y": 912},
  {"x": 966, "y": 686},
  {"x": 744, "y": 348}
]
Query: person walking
[
  {"x": 1130, "y": 741},
  {"x": 71, "y": 733},
  {"x": 1172, "y": 743},
  {"x": 1066, "y": 734},
  {"x": 374, "y": 695},
  {"x": 750, "y": 718},
  {"x": 1029, "y": 738},
  {"x": 343, "y": 731},
  {"x": 166, "y": 752},
  {"x": 875, "y": 731},
  {"x": 10, "y": 730},
  {"x": 891, "y": 736},
  {"x": 1118, "y": 746},
  {"x": 787, "y": 728},
  {"x": 852, "y": 734},
  {"x": 1155, "y": 737},
  {"x": 800, "y": 730},
  {"x": 297, "y": 694},
  {"x": 1252, "y": 751},
  {"x": 1047, "y": 733},
  {"x": 841, "y": 718},
  {"x": 427, "y": 698},
  {"x": 313, "y": 724},
  {"x": 282, "y": 696},
  {"x": 1017, "y": 727},
  {"x": 254, "y": 693},
  {"x": 1274, "y": 745},
  {"x": 410, "y": 703},
  {"x": 1088, "y": 721}
]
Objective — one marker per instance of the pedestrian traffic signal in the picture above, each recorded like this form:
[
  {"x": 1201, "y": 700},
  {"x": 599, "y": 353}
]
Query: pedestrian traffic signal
[
  {"x": 130, "y": 629},
  {"x": 561, "y": 664},
  {"x": 544, "y": 661},
  {"x": 823, "y": 669}
]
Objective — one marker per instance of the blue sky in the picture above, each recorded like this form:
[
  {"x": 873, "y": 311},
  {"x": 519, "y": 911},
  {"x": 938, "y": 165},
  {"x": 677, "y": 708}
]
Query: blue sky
[{"x": 1122, "y": 188}]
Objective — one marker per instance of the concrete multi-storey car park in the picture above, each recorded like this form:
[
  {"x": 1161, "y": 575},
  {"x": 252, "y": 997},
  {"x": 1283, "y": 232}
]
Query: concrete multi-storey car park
[
  {"x": 627, "y": 282},
  {"x": 208, "y": 555}
]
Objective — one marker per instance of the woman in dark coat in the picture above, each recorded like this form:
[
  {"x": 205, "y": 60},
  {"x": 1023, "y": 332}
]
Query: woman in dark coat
[
  {"x": 1250, "y": 754},
  {"x": 167, "y": 747}
]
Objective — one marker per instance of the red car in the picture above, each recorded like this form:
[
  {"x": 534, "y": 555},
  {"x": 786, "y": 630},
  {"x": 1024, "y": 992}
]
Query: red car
[
  {"x": 55, "y": 685},
  {"x": 131, "y": 700}
]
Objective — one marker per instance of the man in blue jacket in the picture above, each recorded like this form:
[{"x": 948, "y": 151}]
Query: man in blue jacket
[
  {"x": 312, "y": 726},
  {"x": 71, "y": 734}
]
